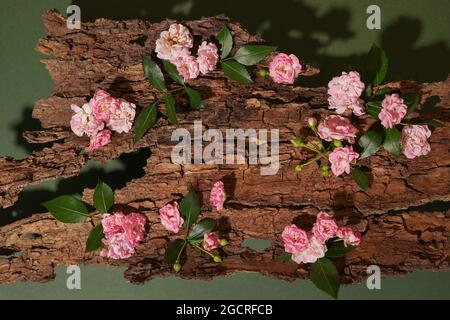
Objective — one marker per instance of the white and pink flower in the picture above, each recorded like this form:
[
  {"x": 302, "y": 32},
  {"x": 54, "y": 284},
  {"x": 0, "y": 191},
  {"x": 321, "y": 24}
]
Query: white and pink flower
[
  {"x": 341, "y": 160},
  {"x": 102, "y": 105},
  {"x": 122, "y": 116},
  {"x": 187, "y": 66},
  {"x": 284, "y": 68},
  {"x": 173, "y": 43},
  {"x": 344, "y": 92},
  {"x": 211, "y": 241},
  {"x": 350, "y": 237},
  {"x": 101, "y": 139},
  {"x": 295, "y": 239},
  {"x": 315, "y": 250},
  {"x": 83, "y": 121},
  {"x": 170, "y": 217},
  {"x": 415, "y": 141},
  {"x": 217, "y": 195},
  {"x": 207, "y": 57},
  {"x": 325, "y": 227},
  {"x": 392, "y": 111},
  {"x": 338, "y": 128}
]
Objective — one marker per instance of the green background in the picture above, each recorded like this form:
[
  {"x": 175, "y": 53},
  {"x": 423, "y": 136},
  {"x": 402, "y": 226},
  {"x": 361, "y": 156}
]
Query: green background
[{"x": 331, "y": 34}]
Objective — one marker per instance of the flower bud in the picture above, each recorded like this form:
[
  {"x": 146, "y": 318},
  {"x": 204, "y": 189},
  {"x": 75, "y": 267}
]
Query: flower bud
[
  {"x": 217, "y": 259},
  {"x": 299, "y": 167},
  {"x": 177, "y": 267},
  {"x": 263, "y": 72},
  {"x": 337, "y": 143},
  {"x": 298, "y": 142},
  {"x": 312, "y": 122},
  {"x": 325, "y": 170},
  {"x": 223, "y": 242}
]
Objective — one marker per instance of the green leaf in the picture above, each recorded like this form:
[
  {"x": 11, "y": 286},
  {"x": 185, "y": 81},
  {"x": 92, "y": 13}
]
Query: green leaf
[
  {"x": 382, "y": 91},
  {"x": 190, "y": 207},
  {"x": 170, "y": 110},
  {"x": 377, "y": 65},
  {"x": 392, "y": 141},
  {"x": 226, "y": 42},
  {"x": 370, "y": 142},
  {"x": 430, "y": 122},
  {"x": 144, "y": 121},
  {"x": 153, "y": 73},
  {"x": 250, "y": 55},
  {"x": 337, "y": 249},
  {"x": 236, "y": 71},
  {"x": 324, "y": 275},
  {"x": 67, "y": 209},
  {"x": 285, "y": 257},
  {"x": 94, "y": 240},
  {"x": 201, "y": 228},
  {"x": 360, "y": 178},
  {"x": 411, "y": 100},
  {"x": 195, "y": 100},
  {"x": 173, "y": 72},
  {"x": 174, "y": 251},
  {"x": 103, "y": 197},
  {"x": 373, "y": 108}
]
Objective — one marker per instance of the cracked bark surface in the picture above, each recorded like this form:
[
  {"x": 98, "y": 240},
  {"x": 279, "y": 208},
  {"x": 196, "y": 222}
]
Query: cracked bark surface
[{"x": 397, "y": 234}]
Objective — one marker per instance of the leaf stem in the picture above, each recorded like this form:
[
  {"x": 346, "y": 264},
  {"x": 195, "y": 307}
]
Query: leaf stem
[{"x": 181, "y": 250}]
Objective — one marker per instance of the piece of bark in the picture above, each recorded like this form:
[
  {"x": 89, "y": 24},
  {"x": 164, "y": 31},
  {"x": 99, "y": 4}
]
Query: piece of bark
[{"x": 106, "y": 55}]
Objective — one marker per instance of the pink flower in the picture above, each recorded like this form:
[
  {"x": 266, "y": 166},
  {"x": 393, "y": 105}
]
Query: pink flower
[
  {"x": 170, "y": 217},
  {"x": 83, "y": 121},
  {"x": 211, "y": 241},
  {"x": 187, "y": 66},
  {"x": 315, "y": 250},
  {"x": 350, "y": 237},
  {"x": 99, "y": 140},
  {"x": 217, "y": 196},
  {"x": 174, "y": 42},
  {"x": 102, "y": 104},
  {"x": 122, "y": 233},
  {"x": 295, "y": 239},
  {"x": 337, "y": 127},
  {"x": 392, "y": 110},
  {"x": 325, "y": 227},
  {"x": 122, "y": 116},
  {"x": 341, "y": 159},
  {"x": 207, "y": 57},
  {"x": 345, "y": 91},
  {"x": 415, "y": 141},
  {"x": 284, "y": 68},
  {"x": 312, "y": 122}
]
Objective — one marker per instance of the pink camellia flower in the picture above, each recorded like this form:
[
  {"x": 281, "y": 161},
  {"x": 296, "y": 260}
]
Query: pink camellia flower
[
  {"x": 341, "y": 160},
  {"x": 325, "y": 227},
  {"x": 211, "y": 241},
  {"x": 84, "y": 122},
  {"x": 415, "y": 141},
  {"x": 207, "y": 57},
  {"x": 284, "y": 68},
  {"x": 170, "y": 217},
  {"x": 295, "y": 239},
  {"x": 345, "y": 91},
  {"x": 187, "y": 66},
  {"x": 217, "y": 196},
  {"x": 315, "y": 250},
  {"x": 350, "y": 237},
  {"x": 174, "y": 42},
  {"x": 392, "y": 110},
  {"x": 122, "y": 233},
  {"x": 337, "y": 127},
  {"x": 122, "y": 116},
  {"x": 101, "y": 139},
  {"x": 102, "y": 105}
]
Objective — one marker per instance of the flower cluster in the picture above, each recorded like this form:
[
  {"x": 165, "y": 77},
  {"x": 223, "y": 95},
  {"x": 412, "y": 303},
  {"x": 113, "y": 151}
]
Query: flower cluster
[
  {"x": 309, "y": 247},
  {"x": 101, "y": 115},
  {"x": 122, "y": 233},
  {"x": 175, "y": 46}
]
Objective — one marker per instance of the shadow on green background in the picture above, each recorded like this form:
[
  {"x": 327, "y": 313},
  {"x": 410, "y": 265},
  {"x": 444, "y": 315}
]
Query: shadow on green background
[{"x": 331, "y": 34}]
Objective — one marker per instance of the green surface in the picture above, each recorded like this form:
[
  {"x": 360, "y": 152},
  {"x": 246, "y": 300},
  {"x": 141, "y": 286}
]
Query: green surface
[{"x": 331, "y": 34}]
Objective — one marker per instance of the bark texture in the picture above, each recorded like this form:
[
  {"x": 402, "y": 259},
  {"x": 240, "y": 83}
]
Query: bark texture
[{"x": 398, "y": 235}]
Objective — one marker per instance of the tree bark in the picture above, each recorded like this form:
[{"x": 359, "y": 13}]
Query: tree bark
[{"x": 399, "y": 233}]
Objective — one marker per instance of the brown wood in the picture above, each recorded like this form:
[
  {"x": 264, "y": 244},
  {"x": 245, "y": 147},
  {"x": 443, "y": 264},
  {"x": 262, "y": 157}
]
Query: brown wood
[{"x": 398, "y": 234}]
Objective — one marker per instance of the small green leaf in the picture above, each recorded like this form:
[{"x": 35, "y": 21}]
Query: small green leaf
[
  {"x": 373, "y": 108},
  {"x": 285, "y": 257},
  {"x": 190, "y": 207},
  {"x": 173, "y": 72},
  {"x": 324, "y": 275},
  {"x": 226, "y": 42},
  {"x": 153, "y": 73},
  {"x": 382, "y": 91},
  {"x": 204, "y": 226},
  {"x": 411, "y": 100},
  {"x": 195, "y": 100},
  {"x": 144, "y": 121},
  {"x": 94, "y": 240},
  {"x": 392, "y": 141},
  {"x": 360, "y": 178},
  {"x": 103, "y": 197},
  {"x": 377, "y": 65},
  {"x": 370, "y": 142},
  {"x": 170, "y": 110},
  {"x": 67, "y": 209},
  {"x": 250, "y": 55},
  {"x": 337, "y": 249},
  {"x": 236, "y": 71},
  {"x": 174, "y": 251},
  {"x": 430, "y": 122}
]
